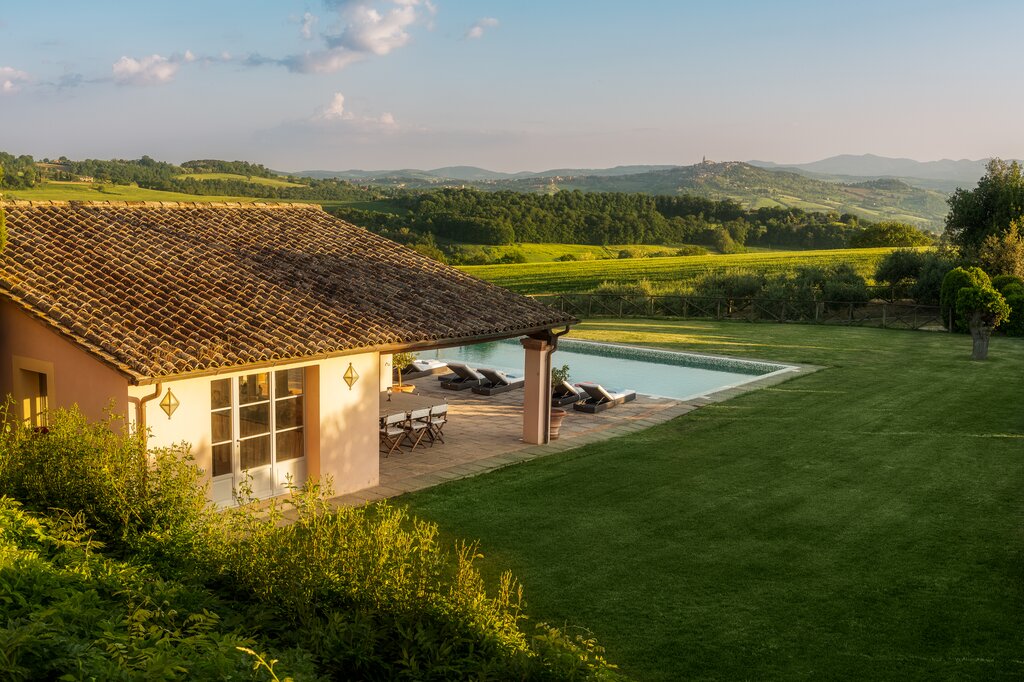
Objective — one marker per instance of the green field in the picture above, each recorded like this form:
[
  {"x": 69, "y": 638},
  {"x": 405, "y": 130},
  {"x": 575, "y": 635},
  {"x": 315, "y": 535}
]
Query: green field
[
  {"x": 253, "y": 180},
  {"x": 542, "y": 278},
  {"x": 862, "y": 523},
  {"x": 83, "y": 191}
]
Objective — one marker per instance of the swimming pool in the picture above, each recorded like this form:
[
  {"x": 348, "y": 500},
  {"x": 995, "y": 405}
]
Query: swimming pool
[{"x": 666, "y": 374}]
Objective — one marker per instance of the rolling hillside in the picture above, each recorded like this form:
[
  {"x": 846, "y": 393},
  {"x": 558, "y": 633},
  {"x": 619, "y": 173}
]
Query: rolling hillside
[{"x": 756, "y": 187}]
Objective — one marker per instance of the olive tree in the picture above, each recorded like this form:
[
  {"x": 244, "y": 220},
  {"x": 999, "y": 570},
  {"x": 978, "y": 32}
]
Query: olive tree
[{"x": 984, "y": 309}]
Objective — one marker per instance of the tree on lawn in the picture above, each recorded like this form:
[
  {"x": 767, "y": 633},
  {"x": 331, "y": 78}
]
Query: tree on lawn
[
  {"x": 988, "y": 209},
  {"x": 984, "y": 309}
]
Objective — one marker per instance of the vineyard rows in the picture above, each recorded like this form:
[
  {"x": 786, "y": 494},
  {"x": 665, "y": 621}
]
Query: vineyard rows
[{"x": 580, "y": 276}]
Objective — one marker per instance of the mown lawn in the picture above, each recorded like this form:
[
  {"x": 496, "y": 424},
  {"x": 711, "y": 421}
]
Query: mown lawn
[{"x": 863, "y": 522}]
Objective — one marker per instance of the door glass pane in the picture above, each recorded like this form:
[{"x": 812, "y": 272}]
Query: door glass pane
[
  {"x": 220, "y": 426},
  {"x": 220, "y": 394},
  {"x": 288, "y": 413},
  {"x": 254, "y": 419},
  {"x": 222, "y": 459},
  {"x": 289, "y": 445},
  {"x": 290, "y": 382},
  {"x": 253, "y": 388},
  {"x": 254, "y": 452}
]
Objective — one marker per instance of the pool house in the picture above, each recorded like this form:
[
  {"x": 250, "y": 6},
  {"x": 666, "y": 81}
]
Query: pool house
[{"x": 261, "y": 334}]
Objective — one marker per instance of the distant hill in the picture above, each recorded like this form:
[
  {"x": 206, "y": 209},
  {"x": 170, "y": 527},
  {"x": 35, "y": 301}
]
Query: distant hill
[
  {"x": 944, "y": 175},
  {"x": 465, "y": 174},
  {"x": 755, "y": 187},
  {"x": 874, "y": 198}
]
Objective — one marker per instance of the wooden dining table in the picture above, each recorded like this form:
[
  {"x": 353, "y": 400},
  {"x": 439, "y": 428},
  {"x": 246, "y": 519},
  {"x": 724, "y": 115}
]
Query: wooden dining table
[{"x": 404, "y": 403}]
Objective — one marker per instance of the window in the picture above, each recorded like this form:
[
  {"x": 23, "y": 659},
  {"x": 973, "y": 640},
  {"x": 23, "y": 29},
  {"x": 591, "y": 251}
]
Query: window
[
  {"x": 221, "y": 426},
  {"x": 263, "y": 414},
  {"x": 35, "y": 397}
]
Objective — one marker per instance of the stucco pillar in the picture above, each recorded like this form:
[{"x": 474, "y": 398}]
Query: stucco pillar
[{"x": 537, "y": 391}]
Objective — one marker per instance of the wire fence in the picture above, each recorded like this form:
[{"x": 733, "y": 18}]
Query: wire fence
[{"x": 885, "y": 314}]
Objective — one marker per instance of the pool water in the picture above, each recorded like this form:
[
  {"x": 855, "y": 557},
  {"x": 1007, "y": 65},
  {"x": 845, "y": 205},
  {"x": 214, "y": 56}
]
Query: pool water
[{"x": 682, "y": 376}]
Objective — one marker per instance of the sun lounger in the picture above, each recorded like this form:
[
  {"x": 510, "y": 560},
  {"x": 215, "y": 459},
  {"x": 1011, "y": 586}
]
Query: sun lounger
[
  {"x": 565, "y": 394},
  {"x": 496, "y": 381},
  {"x": 464, "y": 377},
  {"x": 424, "y": 368},
  {"x": 599, "y": 399}
]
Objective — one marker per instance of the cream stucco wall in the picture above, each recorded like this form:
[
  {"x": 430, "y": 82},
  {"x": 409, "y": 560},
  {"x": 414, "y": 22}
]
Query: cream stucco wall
[
  {"x": 342, "y": 443},
  {"x": 77, "y": 378}
]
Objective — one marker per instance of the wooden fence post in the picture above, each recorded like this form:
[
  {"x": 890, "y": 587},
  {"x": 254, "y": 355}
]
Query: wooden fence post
[{"x": 883, "y": 314}]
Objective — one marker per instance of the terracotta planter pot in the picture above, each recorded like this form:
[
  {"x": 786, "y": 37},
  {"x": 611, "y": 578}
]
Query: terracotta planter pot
[
  {"x": 557, "y": 415},
  {"x": 404, "y": 388}
]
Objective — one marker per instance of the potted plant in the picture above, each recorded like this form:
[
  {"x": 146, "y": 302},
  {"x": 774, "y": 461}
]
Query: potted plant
[
  {"x": 399, "y": 361},
  {"x": 558, "y": 375}
]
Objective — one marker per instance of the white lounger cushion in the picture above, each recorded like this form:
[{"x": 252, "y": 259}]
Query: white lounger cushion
[
  {"x": 599, "y": 393},
  {"x": 465, "y": 371},
  {"x": 426, "y": 365},
  {"x": 499, "y": 378}
]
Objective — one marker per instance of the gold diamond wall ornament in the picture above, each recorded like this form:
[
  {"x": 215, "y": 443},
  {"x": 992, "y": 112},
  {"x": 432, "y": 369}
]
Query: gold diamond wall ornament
[
  {"x": 351, "y": 376},
  {"x": 169, "y": 404}
]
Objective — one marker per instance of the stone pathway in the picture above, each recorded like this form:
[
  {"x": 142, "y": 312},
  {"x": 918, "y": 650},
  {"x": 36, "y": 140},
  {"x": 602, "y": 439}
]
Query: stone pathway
[{"x": 484, "y": 433}]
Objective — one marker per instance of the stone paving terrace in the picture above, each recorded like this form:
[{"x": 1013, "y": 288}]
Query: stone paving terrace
[{"x": 485, "y": 433}]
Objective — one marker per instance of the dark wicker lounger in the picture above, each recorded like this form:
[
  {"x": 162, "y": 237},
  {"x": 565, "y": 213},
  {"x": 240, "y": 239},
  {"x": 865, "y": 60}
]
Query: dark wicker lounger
[
  {"x": 565, "y": 394},
  {"x": 464, "y": 377},
  {"x": 496, "y": 381},
  {"x": 424, "y": 368},
  {"x": 599, "y": 399}
]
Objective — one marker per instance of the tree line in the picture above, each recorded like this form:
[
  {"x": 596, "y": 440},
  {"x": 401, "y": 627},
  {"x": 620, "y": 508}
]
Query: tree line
[{"x": 600, "y": 218}]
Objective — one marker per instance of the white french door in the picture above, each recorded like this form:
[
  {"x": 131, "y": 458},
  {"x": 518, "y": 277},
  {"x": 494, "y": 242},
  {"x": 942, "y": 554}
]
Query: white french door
[{"x": 257, "y": 432}]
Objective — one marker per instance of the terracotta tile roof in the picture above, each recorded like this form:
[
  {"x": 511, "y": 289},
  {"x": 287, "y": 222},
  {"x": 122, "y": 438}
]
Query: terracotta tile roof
[{"x": 162, "y": 289}]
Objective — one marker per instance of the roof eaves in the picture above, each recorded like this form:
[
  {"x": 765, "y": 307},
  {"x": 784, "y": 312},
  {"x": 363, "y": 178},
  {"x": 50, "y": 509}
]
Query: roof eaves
[{"x": 386, "y": 348}]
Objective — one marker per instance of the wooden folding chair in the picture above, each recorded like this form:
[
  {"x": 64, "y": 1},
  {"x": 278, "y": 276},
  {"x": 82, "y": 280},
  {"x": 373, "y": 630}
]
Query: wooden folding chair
[
  {"x": 438, "y": 418},
  {"x": 392, "y": 432},
  {"x": 418, "y": 426}
]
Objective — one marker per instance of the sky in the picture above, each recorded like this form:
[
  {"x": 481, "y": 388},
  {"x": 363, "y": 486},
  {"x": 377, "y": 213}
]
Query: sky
[{"x": 510, "y": 85}]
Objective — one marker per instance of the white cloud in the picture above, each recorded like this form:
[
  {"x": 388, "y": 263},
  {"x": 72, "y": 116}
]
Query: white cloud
[
  {"x": 336, "y": 111},
  {"x": 151, "y": 70},
  {"x": 307, "y": 24},
  {"x": 11, "y": 80},
  {"x": 478, "y": 28},
  {"x": 189, "y": 56},
  {"x": 368, "y": 28}
]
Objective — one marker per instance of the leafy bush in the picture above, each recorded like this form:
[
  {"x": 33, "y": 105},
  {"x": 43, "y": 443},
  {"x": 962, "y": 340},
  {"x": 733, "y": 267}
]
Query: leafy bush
[
  {"x": 899, "y": 266},
  {"x": 149, "y": 503},
  {"x": 68, "y": 612},
  {"x": 691, "y": 250},
  {"x": 1014, "y": 325},
  {"x": 955, "y": 280},
  {"x": 843, "y": 285},
  {"x": 350, "y": 594},
  {"x": 1001, "y": 282},
  {"x": 934, "y": 267},
  {"x": 730, "y": 284}
]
